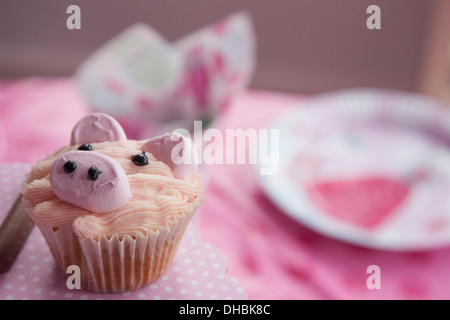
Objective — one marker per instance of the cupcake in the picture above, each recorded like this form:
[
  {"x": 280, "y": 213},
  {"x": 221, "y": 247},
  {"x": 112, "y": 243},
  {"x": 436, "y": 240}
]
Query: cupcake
[{"x": 116, "y": 208}]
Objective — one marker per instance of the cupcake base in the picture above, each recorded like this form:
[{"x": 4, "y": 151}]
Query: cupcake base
[{"x": 113, "y": 265}]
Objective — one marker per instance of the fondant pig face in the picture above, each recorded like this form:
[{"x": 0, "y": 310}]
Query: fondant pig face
[{"x": 98, "y": 183}]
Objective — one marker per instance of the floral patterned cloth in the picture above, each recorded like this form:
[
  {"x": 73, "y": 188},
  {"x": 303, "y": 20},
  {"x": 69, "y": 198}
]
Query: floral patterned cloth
[{"x": 150, "y": 85}]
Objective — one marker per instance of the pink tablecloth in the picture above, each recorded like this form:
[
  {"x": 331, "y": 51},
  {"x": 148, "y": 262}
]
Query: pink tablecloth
[{"x": 270, "y": 254}]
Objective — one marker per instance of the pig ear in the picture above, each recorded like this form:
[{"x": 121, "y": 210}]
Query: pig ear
[
  {"x": 176, "y": 151},
  {"x": 97, "y": 127}
]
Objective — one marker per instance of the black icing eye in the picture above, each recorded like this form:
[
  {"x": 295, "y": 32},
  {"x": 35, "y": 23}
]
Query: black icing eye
[
  {"x": 140, "y": 159},
  {"x": 85, "y": 147},
  {"x": 70, "y": 166},
  {"x": 93, "y": 173}
]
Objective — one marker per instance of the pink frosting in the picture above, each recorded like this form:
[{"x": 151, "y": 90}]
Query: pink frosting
[
  {"x": 97, "y": 127},
  {"x": 176, "y": 151},
  {"x": 109, "y": 191},
  {"x": 157, "y": 197},
  {"x": 123, "y": 197}
]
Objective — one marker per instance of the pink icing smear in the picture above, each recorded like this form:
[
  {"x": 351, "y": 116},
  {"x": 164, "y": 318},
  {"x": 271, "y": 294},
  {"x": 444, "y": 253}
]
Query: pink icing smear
[{"x": 365, "y": 202}]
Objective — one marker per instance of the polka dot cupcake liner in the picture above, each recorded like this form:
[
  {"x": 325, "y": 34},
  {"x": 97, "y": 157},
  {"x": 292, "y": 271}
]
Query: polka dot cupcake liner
[{"x": 197, "y": 272}]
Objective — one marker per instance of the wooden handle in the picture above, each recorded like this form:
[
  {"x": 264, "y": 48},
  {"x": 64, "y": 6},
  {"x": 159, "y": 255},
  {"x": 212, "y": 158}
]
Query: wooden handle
[{"x": 13, "y": 233}]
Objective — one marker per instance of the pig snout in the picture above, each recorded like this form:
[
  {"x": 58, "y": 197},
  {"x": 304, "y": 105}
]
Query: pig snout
[{"x": 91, "y": 181}]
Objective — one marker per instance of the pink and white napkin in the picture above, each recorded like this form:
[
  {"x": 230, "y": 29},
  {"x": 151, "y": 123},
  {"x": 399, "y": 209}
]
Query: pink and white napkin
[{"x": 151, "y": 85}]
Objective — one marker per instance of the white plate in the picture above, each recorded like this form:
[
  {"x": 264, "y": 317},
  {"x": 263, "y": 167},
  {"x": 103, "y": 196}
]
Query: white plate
[{"x": 369, "y": 167}]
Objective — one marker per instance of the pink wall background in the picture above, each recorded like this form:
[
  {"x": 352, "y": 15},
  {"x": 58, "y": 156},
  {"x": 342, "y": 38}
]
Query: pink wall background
[{"x": 303, "y": 45}]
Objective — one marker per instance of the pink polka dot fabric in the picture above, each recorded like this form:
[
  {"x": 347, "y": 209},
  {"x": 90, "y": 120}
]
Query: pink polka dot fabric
[{"x": 197, "y": 272}]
